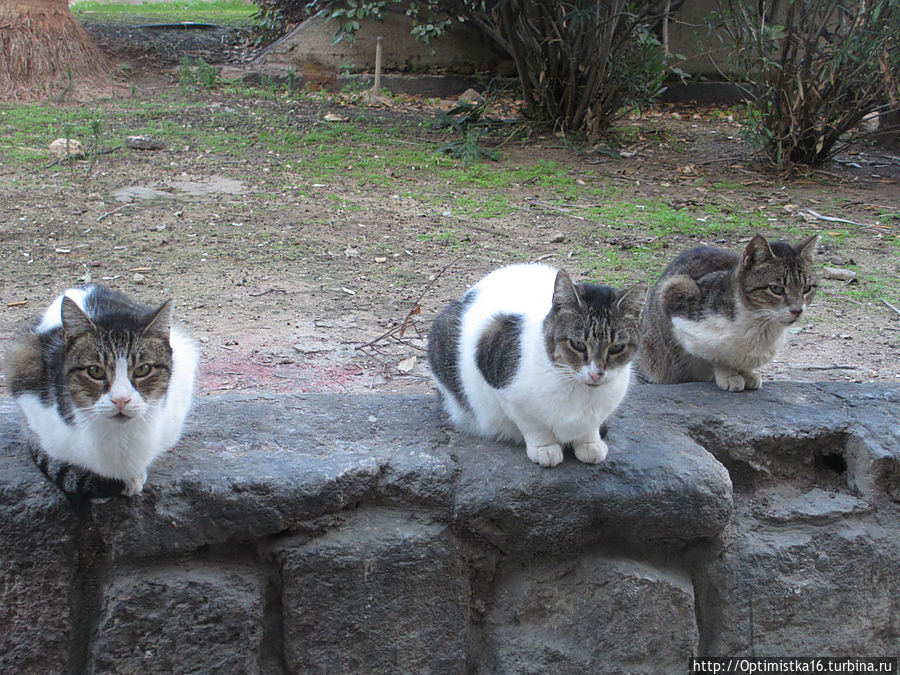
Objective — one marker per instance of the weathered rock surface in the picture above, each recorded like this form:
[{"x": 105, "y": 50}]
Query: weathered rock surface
[
  {"x": 313, "y": 533},
  {"x": 576, "y": 615},
  {"x": 377, "y": 594},
  {"x": 193, "y": 617}
]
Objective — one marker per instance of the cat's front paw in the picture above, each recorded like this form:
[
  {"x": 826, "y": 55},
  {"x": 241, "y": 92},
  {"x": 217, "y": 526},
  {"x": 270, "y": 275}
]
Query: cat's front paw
[
  {"x": 752, "y": 379},
  {"x": 545, "y": 455},
  {"x": 592, "y": 452},
  {"x": 730, "y": 380},
  {"x": 134, "y": 485}
]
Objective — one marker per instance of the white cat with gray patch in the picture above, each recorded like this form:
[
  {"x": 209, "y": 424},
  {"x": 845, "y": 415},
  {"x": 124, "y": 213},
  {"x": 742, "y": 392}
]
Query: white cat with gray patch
[
  {"x": 529, "y": 356},
  {"x": 104, "y": 385},
  {"x": 716, "y": 315}
]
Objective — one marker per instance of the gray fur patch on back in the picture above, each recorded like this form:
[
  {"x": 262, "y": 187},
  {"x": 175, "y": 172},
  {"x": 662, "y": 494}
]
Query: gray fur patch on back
[
  {"x": 443, "y": 347},
  {"x": 499, "y": 349}
]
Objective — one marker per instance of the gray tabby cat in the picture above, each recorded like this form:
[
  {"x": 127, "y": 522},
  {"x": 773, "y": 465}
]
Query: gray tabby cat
[
  {"x": 715, "y": 315},
  {"x": 104, "y": 385},
  {"x": 528, "y": 355}
]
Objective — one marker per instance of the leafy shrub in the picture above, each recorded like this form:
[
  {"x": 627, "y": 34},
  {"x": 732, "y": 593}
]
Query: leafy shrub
[
  {"x": 813, "y": 69},
  {"x": 580, "y": 63},
  {"x": 469, "y": 123}
]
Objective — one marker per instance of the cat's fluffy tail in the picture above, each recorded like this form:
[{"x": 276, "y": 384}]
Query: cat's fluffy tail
[{"x": 75, "y": 481}]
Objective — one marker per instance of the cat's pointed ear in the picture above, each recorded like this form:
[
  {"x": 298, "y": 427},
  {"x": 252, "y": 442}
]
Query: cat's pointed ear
[
  {"x": 564, "y": 291},
  {"x": 757, "y": 251},
  {"x": 161, "y": 320},
  {"x": 74, "y": 321},
  {"x": 631, "y": 300},
  {"x": 807, "y": 248}
]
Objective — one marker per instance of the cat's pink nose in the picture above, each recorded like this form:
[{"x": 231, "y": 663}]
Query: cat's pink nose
[
  {"x": 121, "y": 402},
  {"x": 595, "y": 375}
]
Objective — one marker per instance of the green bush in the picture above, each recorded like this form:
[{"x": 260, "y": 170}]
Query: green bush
[
  {"x": 580, "y": 63},
  {"x": 812, "y": 68}
]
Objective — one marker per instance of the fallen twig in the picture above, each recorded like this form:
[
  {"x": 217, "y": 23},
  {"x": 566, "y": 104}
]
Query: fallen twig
[
  {"x": 115, "y": 210},
  {"x": 416, "y": 309},
  {"x": 890, "y": 306},
  {"x": 833, "y": 219},
  {"x": 17, "y": 303},
  {"x": 266, "y": 292}
]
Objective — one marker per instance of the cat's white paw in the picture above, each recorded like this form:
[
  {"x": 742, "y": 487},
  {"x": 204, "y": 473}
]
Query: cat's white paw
[
  {"x": 134, "y": 485},
  {"x": 752, "y": 379},
  {"x": 730, "y": 380},
  {"x": 592, "y": 452},
  {"x": 545, "y": 455}
]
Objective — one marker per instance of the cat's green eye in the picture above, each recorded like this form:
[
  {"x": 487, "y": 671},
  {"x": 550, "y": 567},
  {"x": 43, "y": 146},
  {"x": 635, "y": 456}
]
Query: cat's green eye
[
  {"x": 776, "y": 289},
  {"x": 143, "y": 370},
  {"x": 616, "y": 349},
  {"x": 808, "y": 289},
  {"x": 577, "y": 345},
  {"x": 96, "y": 372}
]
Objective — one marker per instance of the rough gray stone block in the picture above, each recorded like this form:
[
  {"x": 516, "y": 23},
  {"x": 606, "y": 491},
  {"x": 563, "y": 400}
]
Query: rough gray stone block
[
  {"x": 384, "y": 593},
  {"x": 589, "y": 615},
  {"x": 181, "y": 618},
  {"x": 787, "y": 431},
  {"x": 254, "y": 466},
  {"x": 38, "y": 545},
  {"x": 787, "y": 589},
  {"x": 651, "y": 487}
]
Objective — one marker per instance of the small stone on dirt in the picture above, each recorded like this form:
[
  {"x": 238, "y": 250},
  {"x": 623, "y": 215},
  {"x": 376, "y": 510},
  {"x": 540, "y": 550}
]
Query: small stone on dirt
[
  {"x": 470, "y": 96},
  {"x": 62, "y": 147},
  {"x": 839, "y": 274},
  {"x": 144, "y": 143}
]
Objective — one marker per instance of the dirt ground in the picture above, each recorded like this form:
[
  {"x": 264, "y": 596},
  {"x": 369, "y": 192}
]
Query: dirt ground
[{"x": 293, "y": 285}]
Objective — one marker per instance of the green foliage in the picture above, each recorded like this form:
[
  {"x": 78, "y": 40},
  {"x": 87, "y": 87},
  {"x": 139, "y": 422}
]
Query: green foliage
[
  {"x": 192, "y": 74},
  {"x": 274, "y": 17},
  {"x": 813, "y": 68},
  {"x": 349, "y": 15},
  {"x": 470, "y": 124}
]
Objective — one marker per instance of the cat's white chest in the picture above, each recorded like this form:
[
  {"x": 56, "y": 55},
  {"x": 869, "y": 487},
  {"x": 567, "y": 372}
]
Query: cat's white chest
[{"x": 743, "y": 342}]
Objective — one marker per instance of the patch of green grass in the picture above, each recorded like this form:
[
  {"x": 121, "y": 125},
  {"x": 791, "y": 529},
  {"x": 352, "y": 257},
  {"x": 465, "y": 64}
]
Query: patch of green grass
[
  {"x": 614, "y": 266},
  {"x": 869, "y": 286},
  {"x": 27, "y": 130},
  {"x": 449, "y": 238},
  {"x": 231, "y": 12},
  {"x": 496, "y": 176},
  {"x": 490, "y": 206}
]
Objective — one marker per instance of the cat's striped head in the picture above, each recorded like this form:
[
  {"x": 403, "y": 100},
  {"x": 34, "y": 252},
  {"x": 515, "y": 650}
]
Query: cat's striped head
[
  {"x": 117, "y": 364},
  {"x": 592, "y": 329},
  {"x": 777, "y": 281}
]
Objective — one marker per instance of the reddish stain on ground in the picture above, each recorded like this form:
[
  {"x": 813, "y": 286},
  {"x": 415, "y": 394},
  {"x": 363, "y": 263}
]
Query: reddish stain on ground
[{"x": 248, "y": 371}]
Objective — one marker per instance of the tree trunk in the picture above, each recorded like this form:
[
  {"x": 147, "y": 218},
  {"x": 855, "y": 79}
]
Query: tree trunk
[{"x": 45, "y": 53}]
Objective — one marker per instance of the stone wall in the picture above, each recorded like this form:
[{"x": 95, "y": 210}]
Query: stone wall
[{"x": 346, "y": 534}]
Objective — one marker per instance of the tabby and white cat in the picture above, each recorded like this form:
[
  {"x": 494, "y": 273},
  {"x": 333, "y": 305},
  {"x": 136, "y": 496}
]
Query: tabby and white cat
[
  {"x": 527, "y": 355},
  {"x": 104, "y": 385},
  {"x": 715, "y": 315}
]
